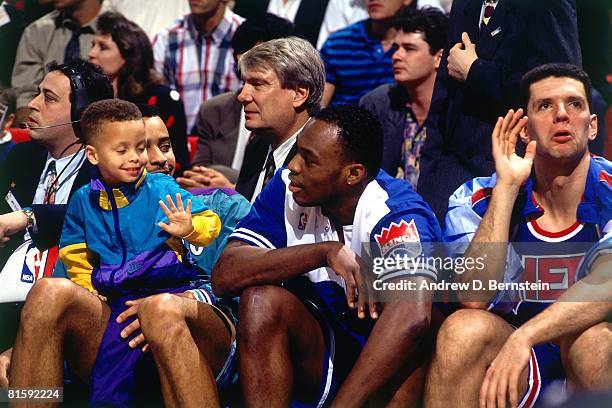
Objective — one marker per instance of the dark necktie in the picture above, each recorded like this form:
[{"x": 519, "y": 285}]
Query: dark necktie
[
  {"x": 73, "y": 48},
  {"x": 270, "y": 168},
  {"x": 488, "y": 12}
]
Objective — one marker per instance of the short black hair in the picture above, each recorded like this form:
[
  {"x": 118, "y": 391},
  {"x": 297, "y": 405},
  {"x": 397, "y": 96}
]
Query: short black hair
[
  {"x": 430, "y": 21},
  {"x": 97, "y": 83},
  {"x": 359, "y": 131},
  {"x": 260, "y": 28},
  {"x": 558, "y": 70},
  {"x": 108, "y": 110}
]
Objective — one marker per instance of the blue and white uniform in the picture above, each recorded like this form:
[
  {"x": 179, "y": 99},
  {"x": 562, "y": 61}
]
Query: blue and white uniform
[
  {"x": 536, "y": 255},
  {"x": 389, "y": 214}
]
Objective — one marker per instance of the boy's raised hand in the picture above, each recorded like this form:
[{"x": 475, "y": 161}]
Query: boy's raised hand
[{"x": 179, "y": 218}]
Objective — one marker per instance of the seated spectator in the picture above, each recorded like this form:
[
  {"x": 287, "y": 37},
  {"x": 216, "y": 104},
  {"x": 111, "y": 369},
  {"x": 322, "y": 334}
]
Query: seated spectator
[
  {"x": 199, "y": 325},
  {"x": 283, "y": 84},
  {"x": 314, "y": 20},
  {"x": 222, "y": 137},
  {"x": 194, "y": 55},
  {"x": 402, "y": 107},
  {"x": 64, "y": 34},
  {"x": 358, "y": 57},
  {"x": 124, "y": 52}
]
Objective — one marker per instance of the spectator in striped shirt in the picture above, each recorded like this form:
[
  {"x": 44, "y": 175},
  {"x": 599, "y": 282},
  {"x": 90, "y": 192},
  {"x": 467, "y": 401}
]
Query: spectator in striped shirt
[
  {"x": 195, "y": 56},
  {"x": 358, "y": 58}
]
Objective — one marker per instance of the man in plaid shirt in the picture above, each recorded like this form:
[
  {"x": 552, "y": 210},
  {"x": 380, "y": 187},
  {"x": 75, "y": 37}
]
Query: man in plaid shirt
[{"x": 194, "y": 55}]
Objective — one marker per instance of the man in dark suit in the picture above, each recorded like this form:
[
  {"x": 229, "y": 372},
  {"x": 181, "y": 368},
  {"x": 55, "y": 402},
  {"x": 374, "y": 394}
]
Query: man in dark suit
[
  {"x": 492, "y": 44},
  {"x": 42, "y": 174},
  {"x": 283, "y": 87}
]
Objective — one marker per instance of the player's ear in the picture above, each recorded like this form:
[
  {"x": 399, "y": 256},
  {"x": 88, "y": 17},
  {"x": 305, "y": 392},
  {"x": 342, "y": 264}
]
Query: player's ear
[
  {"x": 593, "y": 127},
  {"x": 524, "y": 135},
  {"x": 91, "y": 154},
  {"x": 438, "y": 58},
  {"x": 356, "y": 172}
]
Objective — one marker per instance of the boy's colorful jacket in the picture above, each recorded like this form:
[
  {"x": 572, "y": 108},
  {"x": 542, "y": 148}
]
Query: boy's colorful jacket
[{"x": 111, "y": 242}]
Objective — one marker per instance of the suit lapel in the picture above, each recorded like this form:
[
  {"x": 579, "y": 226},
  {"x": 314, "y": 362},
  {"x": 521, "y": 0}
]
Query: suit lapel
[{"x": 471, "y": 19}]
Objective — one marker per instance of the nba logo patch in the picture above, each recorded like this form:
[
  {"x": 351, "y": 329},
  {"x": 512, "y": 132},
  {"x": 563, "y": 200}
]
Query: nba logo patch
[
  {"x": 38, "y": 264},
  {"x": 303, "y": 221}
]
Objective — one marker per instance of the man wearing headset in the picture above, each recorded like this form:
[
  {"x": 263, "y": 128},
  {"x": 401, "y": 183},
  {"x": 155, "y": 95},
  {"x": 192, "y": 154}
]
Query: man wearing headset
[{"x": 42, "y": 174}]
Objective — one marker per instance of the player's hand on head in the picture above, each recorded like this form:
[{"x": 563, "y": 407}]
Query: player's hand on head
[
  {"x": 133, "y": 329},
  {"x": 511, "y": 169},
  {"x": 179, "y": 217},
  {"x": 501, "y": 386}
]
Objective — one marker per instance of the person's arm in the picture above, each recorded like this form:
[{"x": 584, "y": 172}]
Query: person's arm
[
  {"x": 199, "y": 229},
  {"x": 570, "y": 314},
  {"x": 551, "y": 36},
  {"x": 491, "y": 236},
  {"x": 73, "y": 250}
]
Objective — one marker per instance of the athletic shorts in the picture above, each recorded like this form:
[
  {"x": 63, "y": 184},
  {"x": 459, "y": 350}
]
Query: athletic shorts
[
  {"x": 544, "y": 368},
  {"x": 342, "y": 348}
]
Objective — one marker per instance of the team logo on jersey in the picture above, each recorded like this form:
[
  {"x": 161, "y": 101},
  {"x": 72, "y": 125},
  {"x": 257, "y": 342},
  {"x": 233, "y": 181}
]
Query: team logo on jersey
[
  {"x": 390, "y": 237},
  {"x": 559, "y": 271},
  {"x": 303, "y": 221}
]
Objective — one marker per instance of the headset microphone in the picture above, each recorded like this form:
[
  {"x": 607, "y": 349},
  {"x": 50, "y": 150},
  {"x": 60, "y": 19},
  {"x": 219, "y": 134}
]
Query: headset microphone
[{"x": 25, "y": 125}]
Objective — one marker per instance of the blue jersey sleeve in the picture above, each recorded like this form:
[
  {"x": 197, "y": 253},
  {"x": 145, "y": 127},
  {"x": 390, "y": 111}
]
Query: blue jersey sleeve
[{"x": 264, "y": 225}]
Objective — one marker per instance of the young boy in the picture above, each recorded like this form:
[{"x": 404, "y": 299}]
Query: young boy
[{"x": 121, "y": 242}]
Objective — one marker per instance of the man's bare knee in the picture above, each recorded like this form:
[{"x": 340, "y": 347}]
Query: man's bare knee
[
  {"x": 47, "y": 302},
  {"x": 260, "y": 310},
  {"x": 463, "y": 338},
  {"x": 589, "y": 357},
  {"x": 160, "y": 316}
]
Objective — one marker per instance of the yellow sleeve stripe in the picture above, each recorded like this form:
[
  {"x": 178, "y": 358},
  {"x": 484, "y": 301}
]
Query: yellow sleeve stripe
[
  {"x": 77, "y": 258},
  {"x": 206, "y": 228}
]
